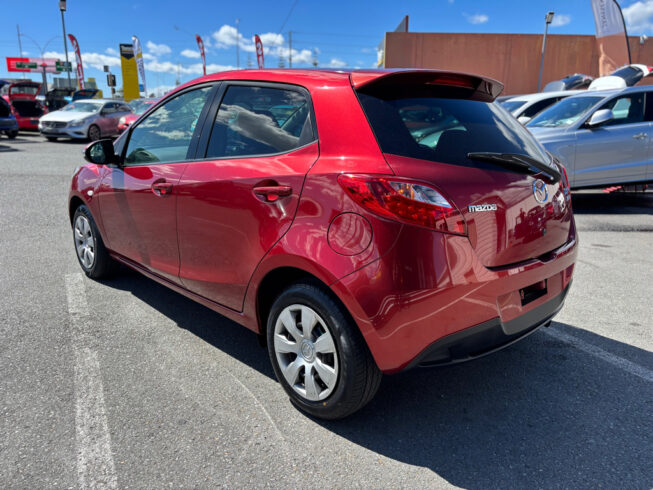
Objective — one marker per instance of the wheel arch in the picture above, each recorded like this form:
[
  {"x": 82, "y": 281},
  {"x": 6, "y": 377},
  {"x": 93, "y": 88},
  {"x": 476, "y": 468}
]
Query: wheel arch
[{"x": 75, "y": 202}]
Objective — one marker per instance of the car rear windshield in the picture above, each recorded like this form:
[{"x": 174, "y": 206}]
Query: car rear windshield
[{"x": 444, "y": 129}]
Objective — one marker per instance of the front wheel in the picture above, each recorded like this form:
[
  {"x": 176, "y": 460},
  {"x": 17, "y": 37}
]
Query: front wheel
[
  {"x": 12, "y": 134},
  {"x": 318, "y": 354},
  {"x": 92, "y": 255},
  {"x": 51, "y": 138},
  {"x": 94, "y": 133}
]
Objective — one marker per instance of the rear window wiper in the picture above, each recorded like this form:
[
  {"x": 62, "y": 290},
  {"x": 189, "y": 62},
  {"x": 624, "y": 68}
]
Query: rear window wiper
[{"x": 516, "y": 161}]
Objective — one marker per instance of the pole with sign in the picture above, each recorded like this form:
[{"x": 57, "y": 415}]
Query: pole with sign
[
  {"x": 200, "y": 44},
  {"x": 78, "y": 57}
]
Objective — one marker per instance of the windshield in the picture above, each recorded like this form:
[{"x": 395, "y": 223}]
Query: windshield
[
  {"x": 25, "y": 89},
  {"x": 82, "y": 107},
  {"x": 564, "y": 113},
  {"x": 445, "y": 129},
  {"x": 512, "y": 105},
  {"x": 140, "y": 106}
]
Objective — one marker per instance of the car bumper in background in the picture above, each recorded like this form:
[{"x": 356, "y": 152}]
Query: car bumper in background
[{"x": 430, "y": 301}]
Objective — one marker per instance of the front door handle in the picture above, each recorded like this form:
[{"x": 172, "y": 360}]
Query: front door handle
[
  {"x": 272, "y": 192},
  {"x": 162, "y": 189},
  {"x": 640, "y": 136}
]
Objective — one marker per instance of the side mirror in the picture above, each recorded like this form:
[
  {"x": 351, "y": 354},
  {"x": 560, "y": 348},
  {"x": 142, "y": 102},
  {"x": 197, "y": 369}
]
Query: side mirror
[
  {"x": 600, "y": 117},
  {"x": 523, "y": 119},
  {"x": 100, "y": 152}
]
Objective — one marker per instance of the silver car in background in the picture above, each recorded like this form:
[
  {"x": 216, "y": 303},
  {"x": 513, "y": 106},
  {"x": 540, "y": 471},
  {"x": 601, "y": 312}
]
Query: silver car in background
[
  {"x": 84, "y": 119},
  {"x": 602, "y": 138}
]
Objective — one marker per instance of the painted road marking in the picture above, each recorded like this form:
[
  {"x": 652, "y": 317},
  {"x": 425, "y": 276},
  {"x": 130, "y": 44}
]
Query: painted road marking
[
  {"x": 95, "y": 468},
  {"x": 620, "y": 362}
]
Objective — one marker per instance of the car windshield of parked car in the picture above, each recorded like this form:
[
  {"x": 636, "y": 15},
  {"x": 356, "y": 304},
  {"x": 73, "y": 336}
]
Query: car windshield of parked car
[
  {"x": 564, "y": 113},
  {"x": 630, "y": 74},
  {"x": 82, "y": 107},
  {"x": 444, "y": 129},
  {"x": 512, "y": 105}
]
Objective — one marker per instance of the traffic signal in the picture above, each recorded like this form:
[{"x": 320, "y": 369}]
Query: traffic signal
[{"x": 111, "y": 80}]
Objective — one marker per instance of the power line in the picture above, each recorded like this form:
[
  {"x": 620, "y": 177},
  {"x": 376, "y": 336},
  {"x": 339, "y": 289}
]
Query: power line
[{"x": 288, "y": 16}]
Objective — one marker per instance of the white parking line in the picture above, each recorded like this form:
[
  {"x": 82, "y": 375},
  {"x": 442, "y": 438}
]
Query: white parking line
[
  {"x": 620, "y": 362},
  {"x": 95, "y": 468}
]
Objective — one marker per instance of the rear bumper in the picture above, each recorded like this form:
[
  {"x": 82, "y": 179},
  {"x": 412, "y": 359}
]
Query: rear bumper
[
  {"x": 430, "y": 301},
  {"x": 488, "y": 337},
  {"x": 8, "y": 125}
]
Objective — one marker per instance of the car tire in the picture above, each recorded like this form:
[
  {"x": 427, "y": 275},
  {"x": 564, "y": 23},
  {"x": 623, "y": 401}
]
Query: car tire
[
  {"x": 11, "y": 134},
  {"x": 91, "y": 253},
  {"x": 94, "y": 133},
  {"x": 343, "y": 374},
  {"x": 51, "y": 138}
]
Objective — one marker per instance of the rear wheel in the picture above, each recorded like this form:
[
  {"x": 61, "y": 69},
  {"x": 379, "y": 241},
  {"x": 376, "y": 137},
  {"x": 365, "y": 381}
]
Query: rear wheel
[
  {"x": 51, "y": 138},
  {"x": 319, "y": 356},
  {"x": 12, "y": 134},
  {"x": 92, "y": 255},
  {"x": 94, "y": 133}
]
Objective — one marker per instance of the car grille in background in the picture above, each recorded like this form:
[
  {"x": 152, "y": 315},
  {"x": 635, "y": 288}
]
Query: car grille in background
[{"x": 53, "y": 124}]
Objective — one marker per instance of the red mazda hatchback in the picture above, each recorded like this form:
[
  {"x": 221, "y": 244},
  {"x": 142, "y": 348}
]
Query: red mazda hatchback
[{"x": 361, "y": 222}]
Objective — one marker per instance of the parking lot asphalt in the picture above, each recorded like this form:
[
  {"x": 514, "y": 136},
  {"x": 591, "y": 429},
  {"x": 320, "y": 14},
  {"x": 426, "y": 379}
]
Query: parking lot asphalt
[{"x": 126, "y": 384}]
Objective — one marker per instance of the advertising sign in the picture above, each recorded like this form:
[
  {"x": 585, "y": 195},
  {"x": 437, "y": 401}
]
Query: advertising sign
[
  {"x": 200, "y": 44},
  {"x": 78, "y": 57},
  {"x": 611, "y": 36},
  {"x": 138, "y": 54},
  {"x": 30, "y": 65},
  {"x": 259, "y": 52},
  {"x": 129, "y": 73}
]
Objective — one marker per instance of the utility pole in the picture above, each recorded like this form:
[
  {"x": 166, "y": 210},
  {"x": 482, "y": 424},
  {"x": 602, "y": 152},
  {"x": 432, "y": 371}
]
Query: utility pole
[
  {"x": 62, "y": 8},
  {"x": 20, "y": 45},
  {"x": 237, "y": 45},
  {"x": 289, "y": 49},
  {"x": 547, "y": 20}
]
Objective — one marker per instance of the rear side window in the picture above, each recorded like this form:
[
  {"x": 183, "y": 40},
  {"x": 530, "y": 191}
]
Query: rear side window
[
  {"x": 445, "y": 129},
  {"x": 540, "y": 106},
  {"x": 628, "y": 109},
  {"x": 254, "y": 121}
]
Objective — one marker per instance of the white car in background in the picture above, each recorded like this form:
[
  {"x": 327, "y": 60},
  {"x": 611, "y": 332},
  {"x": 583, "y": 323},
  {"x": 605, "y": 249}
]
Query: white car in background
[
  {"x": 525, "y": 107},
  {"x": 84, "y": 119}
]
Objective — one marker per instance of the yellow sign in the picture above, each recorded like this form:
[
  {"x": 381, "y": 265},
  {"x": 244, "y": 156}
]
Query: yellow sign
[{"x": 129, "y": 73}]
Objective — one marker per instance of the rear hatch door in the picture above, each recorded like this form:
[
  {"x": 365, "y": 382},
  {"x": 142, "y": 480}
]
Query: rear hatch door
[{"x": 511, "y": 194}]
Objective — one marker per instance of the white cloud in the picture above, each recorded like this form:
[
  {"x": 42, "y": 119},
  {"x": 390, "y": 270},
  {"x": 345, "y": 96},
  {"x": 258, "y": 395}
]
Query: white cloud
[
  {"x": 191, "y": 53},
  {"x": 477, "y": 18},
  {"x": 639, "y": 17},
  {"x": 337, "y": 63},
  {"x": 149, "y": 57},
  {"x": 560, "y": 20},
  {"x": 194, "y": 69},
  {"x": 158, "y": 49},
  {"x": 95, "y": 60},
  {"x": 272, "y": 39},
  {"x": 111, "y": 51},
  {"x": 227, "y": 36}
]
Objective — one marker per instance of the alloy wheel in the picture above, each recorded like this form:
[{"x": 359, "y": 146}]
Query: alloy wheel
[
  {"x": 84, "y": 241},
  {"x": 306, "y": 352},
  {"x": 94, "y": 133}
]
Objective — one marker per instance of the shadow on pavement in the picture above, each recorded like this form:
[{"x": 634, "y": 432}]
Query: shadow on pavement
[
  {"x": 541, "y": 413},
  {"x": 599, "y": 202}
]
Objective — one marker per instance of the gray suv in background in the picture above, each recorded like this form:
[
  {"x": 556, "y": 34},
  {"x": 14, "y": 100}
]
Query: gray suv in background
[{"x": 603, "y": 138}]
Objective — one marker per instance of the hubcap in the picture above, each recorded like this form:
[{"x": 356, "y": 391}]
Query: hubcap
[
  {"x": 84, "y": 241},
  {"x": 306, "y": 352}
]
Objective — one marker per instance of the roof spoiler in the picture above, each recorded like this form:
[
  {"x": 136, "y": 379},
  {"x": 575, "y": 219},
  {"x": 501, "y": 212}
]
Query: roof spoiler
[{"x": 483, "y": 88}]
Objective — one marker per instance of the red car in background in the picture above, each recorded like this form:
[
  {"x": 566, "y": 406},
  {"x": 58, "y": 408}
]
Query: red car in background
[
  {"x": 139, "y": 106},
  {"x": 333, "y": 229},
  {"x": 24, "y": 105}
]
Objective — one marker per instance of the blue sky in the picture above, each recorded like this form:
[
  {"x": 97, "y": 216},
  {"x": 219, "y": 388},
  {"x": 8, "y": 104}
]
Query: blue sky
[{"x": 336, "y": 33}]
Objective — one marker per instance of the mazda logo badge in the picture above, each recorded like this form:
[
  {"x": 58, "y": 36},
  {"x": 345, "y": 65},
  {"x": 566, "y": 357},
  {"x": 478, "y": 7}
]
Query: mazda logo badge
[{"x": 540, "y": 191}]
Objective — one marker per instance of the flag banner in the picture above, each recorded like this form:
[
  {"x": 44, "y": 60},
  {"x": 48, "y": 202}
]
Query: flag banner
[
  {"x": 138, "y": 54},
  {"x": 200, "y": 44},
  {"x": 129, "y": 73},
  {"x": 259, "y": 52},
  {"x": 611, "y": 36},
  {"x": 78, "y": 58}
]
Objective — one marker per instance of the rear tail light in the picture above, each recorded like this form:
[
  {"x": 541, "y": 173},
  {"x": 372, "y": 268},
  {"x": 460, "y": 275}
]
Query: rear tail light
[
  {"x": 407, "y": 202},
  {"x": 565, "y": 182}
]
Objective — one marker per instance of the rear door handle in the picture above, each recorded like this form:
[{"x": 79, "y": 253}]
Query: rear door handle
[
  {"x": 162, "y": 189},
  {"x": 272, "y": 192},
  {"x": 640, "y": 136}
]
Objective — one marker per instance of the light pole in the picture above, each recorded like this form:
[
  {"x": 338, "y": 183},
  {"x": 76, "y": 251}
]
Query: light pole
[
  {"x": 237, "y": 45},
  {"x": 41, "y": 50},
  {"x": 62, "y": 8},
  {"x": 547, "y": 19}
]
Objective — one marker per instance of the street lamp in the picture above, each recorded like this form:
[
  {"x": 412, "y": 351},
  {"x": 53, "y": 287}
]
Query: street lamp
[
  {"x": 42, "y": 51},
  {"x": 62, "y": 8},
  {"x": 547, "y": 19}
]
